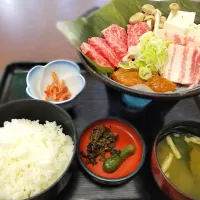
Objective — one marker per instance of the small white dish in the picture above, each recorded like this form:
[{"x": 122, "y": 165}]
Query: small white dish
[{"x": 39, "y": 77}]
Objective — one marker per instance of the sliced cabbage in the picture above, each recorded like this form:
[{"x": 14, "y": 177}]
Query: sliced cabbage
[
  {"x": 127, "y": 65},
  {"x": 153, "y": 51},
  {"x": 150, "y": 53},
  {"x": 124, "y": 65},
  {"x": 138, "y": 64}
]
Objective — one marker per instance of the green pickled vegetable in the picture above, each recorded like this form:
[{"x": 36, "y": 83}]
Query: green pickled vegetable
[{"x": 112, "y": 163}]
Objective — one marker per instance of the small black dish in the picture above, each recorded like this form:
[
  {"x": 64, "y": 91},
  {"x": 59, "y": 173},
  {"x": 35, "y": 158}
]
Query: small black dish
[{"x": 42, "y": 111}]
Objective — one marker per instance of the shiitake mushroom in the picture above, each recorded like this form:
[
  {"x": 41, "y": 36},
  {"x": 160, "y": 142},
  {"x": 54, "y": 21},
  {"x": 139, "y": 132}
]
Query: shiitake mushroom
[{"x": 137, "y": 17}]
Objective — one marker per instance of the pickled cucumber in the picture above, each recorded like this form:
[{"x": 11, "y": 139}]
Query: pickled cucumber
[{"x": 112, "y": 163}]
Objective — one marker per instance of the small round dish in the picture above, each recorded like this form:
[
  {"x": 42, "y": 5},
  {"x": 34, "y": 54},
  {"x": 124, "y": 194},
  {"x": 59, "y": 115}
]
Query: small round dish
[
  {"x": 127, "y": 134},
  {"x": 39, "y": 77}
]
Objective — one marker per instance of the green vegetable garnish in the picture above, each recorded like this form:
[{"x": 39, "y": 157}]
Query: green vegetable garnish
[
  {"x": 124, "y": 65},
  {"x": 150, "y": 55},
  {"x": 132, "y": 65},
  {"x": 152, "y": 68},
  {"x": 138, "y": 64},
  {"x": 153, "y": 51},
  {"x": 145, "y": 73}
]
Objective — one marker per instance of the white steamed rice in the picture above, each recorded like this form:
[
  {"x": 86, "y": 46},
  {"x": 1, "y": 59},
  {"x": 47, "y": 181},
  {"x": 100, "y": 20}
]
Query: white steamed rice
[{"x": 32, "y": 157}]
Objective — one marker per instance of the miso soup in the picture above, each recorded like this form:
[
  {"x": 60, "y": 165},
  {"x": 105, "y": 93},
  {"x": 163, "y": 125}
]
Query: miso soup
[{"x": 179, "y": 158}]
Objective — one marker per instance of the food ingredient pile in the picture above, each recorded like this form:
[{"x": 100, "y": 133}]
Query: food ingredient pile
[{"x": 102, "y": 140}]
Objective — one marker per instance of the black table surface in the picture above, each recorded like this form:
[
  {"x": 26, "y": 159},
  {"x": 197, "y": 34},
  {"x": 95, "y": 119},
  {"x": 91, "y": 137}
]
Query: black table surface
[{"x": 95, "y": 102}]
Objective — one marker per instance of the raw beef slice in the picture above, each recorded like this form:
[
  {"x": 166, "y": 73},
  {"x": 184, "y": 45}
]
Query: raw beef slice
[
  {"x": 135, "y": 31},
  {"x": 101, "y": 46},
  {"x": 116, "y": 37},
  {"x": 91, "y": 53}
]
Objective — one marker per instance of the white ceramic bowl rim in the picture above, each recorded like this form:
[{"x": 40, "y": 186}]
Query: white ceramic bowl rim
[{"x": 50, "y": 63}]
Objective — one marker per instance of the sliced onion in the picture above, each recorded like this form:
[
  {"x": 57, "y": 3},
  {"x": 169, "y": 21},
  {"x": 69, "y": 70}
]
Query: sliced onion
[{"x": 145, "y": 73}]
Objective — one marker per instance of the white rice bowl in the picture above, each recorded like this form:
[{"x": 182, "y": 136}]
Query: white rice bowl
[{"x": 32, "y": 157}]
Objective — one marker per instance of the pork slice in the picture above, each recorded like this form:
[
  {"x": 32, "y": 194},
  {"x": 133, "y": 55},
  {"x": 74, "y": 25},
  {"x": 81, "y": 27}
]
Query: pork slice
[
  {"x": 196, "y": 40},
  {"x": 191, "y": 45},
  {"x": 187, "y": 75},
  {"x": 198, "y": 66},
  {"x": 101, "y": 46},
  {"x": 173, "y": 68},
  {"x": 168, "y": 67},
  {"x": 184, "y": 39},
  {"x": 178, "y": 38},
  {"x": 195, "y": 74},
  {"x": 182, "y": 67},
  {"x": 177, "y": 59},
  {"x": 91, "y": 53}
]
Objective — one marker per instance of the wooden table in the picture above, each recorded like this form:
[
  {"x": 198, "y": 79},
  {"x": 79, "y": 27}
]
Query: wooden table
[{"x": 28, "y": 29}]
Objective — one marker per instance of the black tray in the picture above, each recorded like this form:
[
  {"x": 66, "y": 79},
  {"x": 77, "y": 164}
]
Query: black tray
[{"x": 97, "y": 101}]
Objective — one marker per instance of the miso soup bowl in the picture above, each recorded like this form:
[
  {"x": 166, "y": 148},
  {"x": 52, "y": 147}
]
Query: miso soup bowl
[{"x": 164, "y": 184}]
